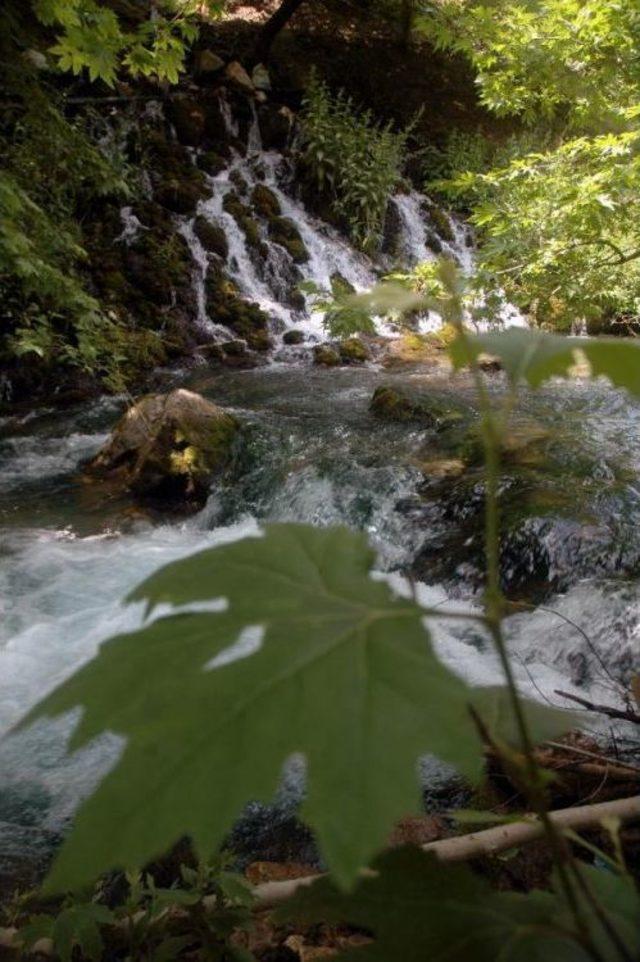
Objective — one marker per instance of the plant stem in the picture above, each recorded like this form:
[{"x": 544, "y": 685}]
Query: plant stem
[{"x": 494, "y": 611}]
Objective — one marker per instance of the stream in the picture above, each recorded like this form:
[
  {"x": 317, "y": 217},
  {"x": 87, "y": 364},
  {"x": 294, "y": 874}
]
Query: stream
[{"x": 314, "y": 453}]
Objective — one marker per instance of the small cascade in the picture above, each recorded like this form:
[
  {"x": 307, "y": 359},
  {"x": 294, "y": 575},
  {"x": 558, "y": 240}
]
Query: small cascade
[{"x": 267, "y": 274}]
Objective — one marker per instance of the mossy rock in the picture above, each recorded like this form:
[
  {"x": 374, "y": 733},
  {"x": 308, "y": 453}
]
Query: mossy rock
[
  {"x": 158, "y": 263},
  {"x": 212, "y": 237},
  {"x": 188, "y": 119},
  {"x": 325, "y": 356},
  {"x": 225, "y": 306},
  {"x": 239, "y": 182},
  {"x": 293, "y": 337},
  {"x": 283, "y": 231},
  {"x": 340, "y": 285},
  {"x": 265, "y": 203},
  {"x": 353, "y": 351},
  {"x": 168, "y": 447},
  {"x": 390, "y": 404},
  {"x": 440, "y": 221},
  {"x": 296, "y": 299},
  {"x": 211, "y": 163},
  {"x": 433, "y": 242},
  {"x": 179, "y": 196},
  {"x": 243, "y": 218},
  {"x": 259, "y": 341}
]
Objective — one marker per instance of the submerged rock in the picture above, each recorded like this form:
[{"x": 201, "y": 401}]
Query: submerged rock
[
  {"x": 325, "y": 356},
  {"x": 353, "y": 351},
  {"x": 168, "y": 447},
  {"x": 390, "y": 404}
]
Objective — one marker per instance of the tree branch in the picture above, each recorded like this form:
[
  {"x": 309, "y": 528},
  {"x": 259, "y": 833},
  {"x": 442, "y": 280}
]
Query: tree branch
[
  {"x": 489, "y": 842},
  {"x": 623, "y": 714}
]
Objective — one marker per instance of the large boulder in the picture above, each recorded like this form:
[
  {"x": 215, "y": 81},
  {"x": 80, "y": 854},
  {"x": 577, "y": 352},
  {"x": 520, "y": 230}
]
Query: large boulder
[{"x": 168, "y": 447}]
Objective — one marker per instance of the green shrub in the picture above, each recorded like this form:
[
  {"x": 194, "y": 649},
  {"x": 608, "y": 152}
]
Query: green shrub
[{"x": 352, "y": 158}]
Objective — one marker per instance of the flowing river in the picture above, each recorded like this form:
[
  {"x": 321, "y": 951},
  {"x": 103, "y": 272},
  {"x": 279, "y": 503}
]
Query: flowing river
[{"x": 314, "y": 453}]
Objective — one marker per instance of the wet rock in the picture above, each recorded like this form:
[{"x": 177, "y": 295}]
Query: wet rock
[
  {"x": 265, "y": 203},
  {"x": 212, "y": 237},
  {"x": 168, "y": 447},
  {"x": 260, "y": 77},
  {"x": 208, "y": 62},
  {"x": 392, "y": 231},
  {"x": 215, "y": 125},
  {"x": 433, "y": 242},
  {"x": 178, "y": 196},
  {"x": 239, "y": 182},
  {"x": 238, "y": 76},
  {"x": 259, "y": 340},
  {"x": 211, "y": 163},
  {"x": 284, "y": 231},
  {"x": 243, "y": 218},
  {"x": 414, "y": 349},
  {"x": 390, "y": 404},
  {"x": 353, "y": 351},
  {"x": 293, "y": 337},
  {"x": 188, "y": 119},
  {"x": 225, "y": 306},
  {"x": 325, "y": 356},
  {"x": 441, "y": 223},
  {"x": 296, "y": 299},
  {"x": 442, "y": 468},
  {"x": 276, "y": 124}
]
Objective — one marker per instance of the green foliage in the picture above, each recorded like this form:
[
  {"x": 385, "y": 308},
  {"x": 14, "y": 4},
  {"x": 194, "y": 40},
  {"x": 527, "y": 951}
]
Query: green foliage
[
  {"x": 558, "y": 218},
  {"x": 534, "y": 357},
  {"x": 573, "y": 58},
  {"x": 47, "y": 309},
  {"x": 77, "y": 925},
  {"x": 93, "y": 38},
  {"x": 417, "y": 909},
  {"x": 342, "y": 318},
  {"x": 58, "y": 168},
  {"x": 353, "y": 159},
  {"x": 202, "y": 908}
]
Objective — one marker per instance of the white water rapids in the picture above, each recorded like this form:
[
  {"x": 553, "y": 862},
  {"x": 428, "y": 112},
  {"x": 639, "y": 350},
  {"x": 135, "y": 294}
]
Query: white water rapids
[{"x": 65, "y": 566}]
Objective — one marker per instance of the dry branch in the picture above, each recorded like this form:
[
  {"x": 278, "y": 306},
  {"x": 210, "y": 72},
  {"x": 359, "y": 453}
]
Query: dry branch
[
  {"x": 608, "y": 710},
  {"x": 491, "y": 841}
]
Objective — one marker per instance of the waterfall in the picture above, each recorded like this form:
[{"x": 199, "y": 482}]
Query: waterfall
[{"x": 268, "y": 276}]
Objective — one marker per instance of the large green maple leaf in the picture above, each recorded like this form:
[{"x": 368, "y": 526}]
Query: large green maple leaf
[
  {"x": 344, "y": 673},
  {"x": 303, "y": 652}
]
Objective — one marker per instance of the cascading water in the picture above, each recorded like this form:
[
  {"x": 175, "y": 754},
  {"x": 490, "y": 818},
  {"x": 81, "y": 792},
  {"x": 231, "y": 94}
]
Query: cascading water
[
  {"x": 269, "y": 278},
  {"x": 313, "y": 453}
]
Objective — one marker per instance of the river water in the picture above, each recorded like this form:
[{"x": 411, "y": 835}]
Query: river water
[{"x": 314, "y": 453}]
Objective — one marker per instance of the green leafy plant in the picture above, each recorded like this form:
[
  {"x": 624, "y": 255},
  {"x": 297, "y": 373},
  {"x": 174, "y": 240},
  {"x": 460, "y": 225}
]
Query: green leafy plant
[
  {"x": 93, "y": 38},
  {"x": 352, "y": 159},
  {"x": 557, "y": 212},
  {"x": 342, "y": 317},
  {"x": 203, "y": 908}
]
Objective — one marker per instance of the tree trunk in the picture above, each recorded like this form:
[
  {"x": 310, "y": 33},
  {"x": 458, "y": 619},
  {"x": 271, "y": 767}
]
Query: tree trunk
[{"x": 272, "y": 28}]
